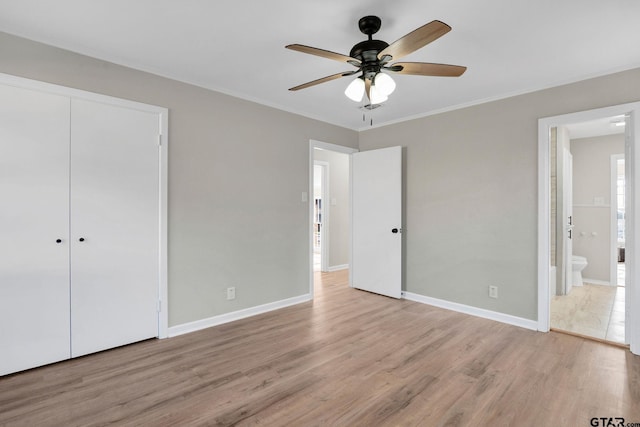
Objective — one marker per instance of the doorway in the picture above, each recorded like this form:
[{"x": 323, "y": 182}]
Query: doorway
[
  {"x": 631, "y": 114},
  {"x": 587, "y": 300},
  {"x": 329, "y": 212}
]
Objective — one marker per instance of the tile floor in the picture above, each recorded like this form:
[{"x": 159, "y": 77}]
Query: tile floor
[
  {"x": 592, "y": 310},
  {"x": 621, "y": 273},
  {"x": 316, "y": 261}
]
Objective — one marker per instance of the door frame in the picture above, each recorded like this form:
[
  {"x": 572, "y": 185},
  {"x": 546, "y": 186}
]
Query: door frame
[
  {"x": 163, "y": 145},
  {"x": 324, "y": 233},
  {"x": 564, "y": 214},
  {"x": 613, "y": 242},
  {"x": 313, "y": 144},
  {"x": 632, "y": 240}
]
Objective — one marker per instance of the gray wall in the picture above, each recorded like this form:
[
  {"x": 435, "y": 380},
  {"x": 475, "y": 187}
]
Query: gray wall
[
  {"x": 471, "y": 192},
  {"x": 237, "y": 170},
  {"x": 236, "y": 173},
  {"x": 592, "y": 178},
  {"x": 339, "y": 213}
]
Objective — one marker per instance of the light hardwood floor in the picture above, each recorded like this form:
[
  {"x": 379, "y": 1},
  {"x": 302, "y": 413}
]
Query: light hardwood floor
[{"x": 349, "y": 358}]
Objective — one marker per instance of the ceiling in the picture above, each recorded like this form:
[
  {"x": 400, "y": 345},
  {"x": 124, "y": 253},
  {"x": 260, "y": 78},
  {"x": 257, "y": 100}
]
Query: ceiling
[
  {"x": 237, "y": 46},
  {"x": 607, "y": 126}
]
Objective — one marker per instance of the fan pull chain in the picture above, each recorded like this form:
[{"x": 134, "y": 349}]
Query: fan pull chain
[{"x": 364, "y": 118}]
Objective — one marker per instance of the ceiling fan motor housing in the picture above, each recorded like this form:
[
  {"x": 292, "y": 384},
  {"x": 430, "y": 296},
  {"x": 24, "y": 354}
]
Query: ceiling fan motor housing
[{"x": 367, "y": 51}]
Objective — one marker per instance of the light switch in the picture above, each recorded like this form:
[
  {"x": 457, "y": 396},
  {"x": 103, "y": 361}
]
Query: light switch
[
  {"x": 305, "y": 197},
  {"x": 334, "y": 201},
  {"x": 598, "y": 201}
]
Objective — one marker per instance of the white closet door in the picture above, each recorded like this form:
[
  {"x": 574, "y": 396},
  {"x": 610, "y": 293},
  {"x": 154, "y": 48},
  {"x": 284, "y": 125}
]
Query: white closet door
[
  {"x": 34, "y": 209},
  {"x": 114, "y": 226}
]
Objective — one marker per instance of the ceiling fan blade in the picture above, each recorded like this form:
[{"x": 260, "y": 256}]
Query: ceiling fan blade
[
  {"x": 323, "y": 80},
  {"x": 324, "y": 53},
  {"x": 415, "y": 40},
  {"x": 427, "y": 69}
]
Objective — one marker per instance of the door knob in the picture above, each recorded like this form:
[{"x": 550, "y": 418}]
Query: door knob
[
  {"x": 81, "y": 239},
  {"x": 394, "y": 230},
  {"x": 58, "y": 240}
]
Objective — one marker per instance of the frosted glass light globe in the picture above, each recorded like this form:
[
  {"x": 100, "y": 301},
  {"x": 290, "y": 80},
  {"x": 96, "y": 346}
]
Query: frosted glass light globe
[
  {"x": 384, "y": 83},
  {"x": 376, "y": 96},
  {"x": 355, "y": 90}
]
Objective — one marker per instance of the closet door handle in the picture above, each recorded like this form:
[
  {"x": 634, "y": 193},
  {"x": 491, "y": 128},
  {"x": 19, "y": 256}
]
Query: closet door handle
[{"x": 81, "y": 239}]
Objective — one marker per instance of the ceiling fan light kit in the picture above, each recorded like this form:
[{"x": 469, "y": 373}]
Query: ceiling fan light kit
[
  {"x": 384, "y": 83},
  {"x": 371, "y": 57},
  {"x": 376, "y": 96},
  {"x": 355, "y": 90}
]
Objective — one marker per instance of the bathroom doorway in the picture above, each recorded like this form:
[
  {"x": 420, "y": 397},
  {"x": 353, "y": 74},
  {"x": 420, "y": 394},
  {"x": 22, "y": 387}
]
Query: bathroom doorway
[{"x": 587, "y": 188}]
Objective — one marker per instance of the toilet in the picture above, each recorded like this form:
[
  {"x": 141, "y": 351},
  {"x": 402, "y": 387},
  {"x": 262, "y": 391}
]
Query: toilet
[{"x": 578, "y": 263}]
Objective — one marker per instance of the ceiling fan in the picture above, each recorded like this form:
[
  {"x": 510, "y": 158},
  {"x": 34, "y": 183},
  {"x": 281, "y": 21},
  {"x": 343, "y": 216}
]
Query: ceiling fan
[{"x": 372, "y": 57}]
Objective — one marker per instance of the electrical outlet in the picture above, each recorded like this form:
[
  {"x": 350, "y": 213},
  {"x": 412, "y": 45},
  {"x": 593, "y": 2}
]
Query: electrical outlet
[
  {"x": 231, "y": 293},
  {"x": 493, "y": 292}
]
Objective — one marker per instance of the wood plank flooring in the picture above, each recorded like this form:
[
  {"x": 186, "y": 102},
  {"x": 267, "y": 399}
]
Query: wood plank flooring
[{"x": 349, "y": 358}]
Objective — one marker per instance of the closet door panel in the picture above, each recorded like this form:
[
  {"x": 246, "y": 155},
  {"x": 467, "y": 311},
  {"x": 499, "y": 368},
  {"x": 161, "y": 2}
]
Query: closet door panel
[
  {"x": 34, "y": 209},
  {"x": 114, "y": 226}
]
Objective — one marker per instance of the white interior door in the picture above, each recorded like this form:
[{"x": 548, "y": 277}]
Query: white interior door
[
  {"x": 115, "y": 226},
  {"x": 34, "y": 229},
  {"x": 377, "y": 221}
]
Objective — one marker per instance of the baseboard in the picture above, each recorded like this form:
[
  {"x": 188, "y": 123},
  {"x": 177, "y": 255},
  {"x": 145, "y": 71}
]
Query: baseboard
[
  {"x": 337, "y": 268},
  {"x": 185, "y": 328},
  {"x": 473, "y": 311},
  {"x": 596, "y": 282}
]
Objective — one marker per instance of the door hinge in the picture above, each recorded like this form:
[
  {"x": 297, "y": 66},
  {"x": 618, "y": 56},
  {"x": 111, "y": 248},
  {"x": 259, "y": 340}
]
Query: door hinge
[
  {"x": 160, "y": 140},
  {"x": 159, "y": 307}
]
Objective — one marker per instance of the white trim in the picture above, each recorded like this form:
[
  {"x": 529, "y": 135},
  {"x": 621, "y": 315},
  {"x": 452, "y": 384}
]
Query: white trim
[
  {"x": 613, "y": 241},
  {"x": 37, "y": 85},
  {"x": 631, "y": 235},
  {"x": 544, "y": 226},
  {"x": 198, "y": 325},
  {"x": 584, "y": 205},
  {"x": 472, "y": 311},
  {"x": 163, "y": 116},
  {"x": 506, "y": 95},
  {"x": 351, "y": 218},
  {"x": 337, "y": 268},
  {"x": 332, "y": 147},
  {"x": 163, "y": 292},
  {"x": 325, "y": 224},
  {"x": 138, "y": 66},
  {"x": 632, "y": 238}
]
